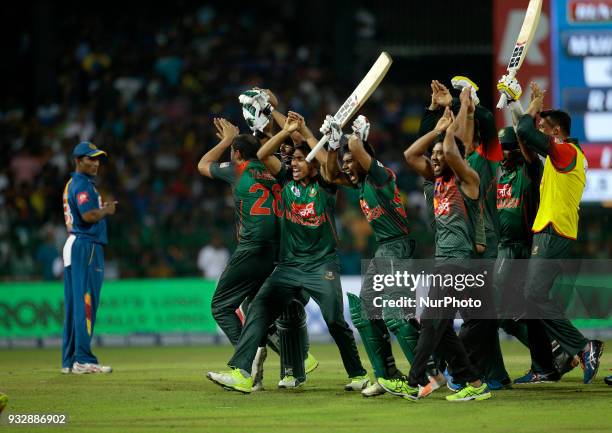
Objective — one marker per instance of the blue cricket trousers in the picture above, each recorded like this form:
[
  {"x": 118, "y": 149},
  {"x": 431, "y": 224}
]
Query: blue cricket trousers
[{"x": 83, "y": 275}]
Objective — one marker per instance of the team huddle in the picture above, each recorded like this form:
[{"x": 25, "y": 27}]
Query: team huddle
[
  {"x": 490, "y": 196},
  {"x": 498, "y": 196}
]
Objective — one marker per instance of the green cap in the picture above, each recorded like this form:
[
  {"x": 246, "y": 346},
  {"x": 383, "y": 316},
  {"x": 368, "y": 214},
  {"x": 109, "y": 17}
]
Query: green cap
[{"x": 507, "y": 138}]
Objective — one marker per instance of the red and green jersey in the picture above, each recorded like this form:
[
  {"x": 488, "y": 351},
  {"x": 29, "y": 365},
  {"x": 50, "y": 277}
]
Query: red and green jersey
[
  {"x": 308, "y": 234},
  {"x": 455, "y": 215},
  {"x": 256, "y": 198},
  {"x": 517, "y": 201},
  {"x": 381, "y": 203},
  {"x": 487, "y": 171}
]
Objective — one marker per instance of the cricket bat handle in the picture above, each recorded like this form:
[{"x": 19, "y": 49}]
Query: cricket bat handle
[
  {"x": 503, "y": 99},
  {"x": 318, "y": 147}
]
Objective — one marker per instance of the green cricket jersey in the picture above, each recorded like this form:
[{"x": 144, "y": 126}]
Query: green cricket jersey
[
  {"x": 308, "y": 233},
  {"x": 517, "y": 201},
  {"x": 487, "y": 171},
  {"x": 381, "y": 203},
  {"x": 256, "y": 198},
  {"x": 428, "y": 192},
  {"x": 456, "y": 216}
]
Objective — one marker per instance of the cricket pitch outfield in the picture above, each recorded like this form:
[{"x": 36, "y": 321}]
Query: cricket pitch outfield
[{"x": 163, "y": 389}]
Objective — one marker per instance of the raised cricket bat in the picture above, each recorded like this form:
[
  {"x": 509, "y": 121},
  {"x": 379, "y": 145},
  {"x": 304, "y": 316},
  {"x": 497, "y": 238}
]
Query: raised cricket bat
[
  {"x": 528, "y": 29},
  {"x": 361, "y": 94}
]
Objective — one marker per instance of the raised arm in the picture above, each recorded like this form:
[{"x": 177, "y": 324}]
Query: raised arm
[
  {"x": 526, "y": 131},
  {"x": 267, "y": 150},
  {"x": 226, "y": 133},
  {"x": 470, "y": 182},
  {"x": 465, "y": 119},
  {"x": 308, "y": 136},
  {"x": 415, "y": 154}
]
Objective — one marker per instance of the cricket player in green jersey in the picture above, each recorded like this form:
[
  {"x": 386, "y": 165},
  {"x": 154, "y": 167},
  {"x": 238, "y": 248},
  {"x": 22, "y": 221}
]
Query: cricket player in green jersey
[
  {"x": 483, "y": 153},
  {"x": 456, "y": 193},
  {"x": 382, "y": 206},
  {"x": 257, "y": 215},
  {"x": 308, "y": 262}
]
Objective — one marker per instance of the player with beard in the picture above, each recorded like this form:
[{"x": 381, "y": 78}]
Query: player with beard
[
  {"x": 483, "y": 153},
  {"x": 555, "y": 231},
  {"x": 456, "y": 193},
  {"x": 383, "y": 208},
  {"x": 308, "y": 262}
]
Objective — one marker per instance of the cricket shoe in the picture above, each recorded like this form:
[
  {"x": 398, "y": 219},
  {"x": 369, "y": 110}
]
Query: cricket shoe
[
  {"x": 3, "y": 401},
  {"x": 310, "y": 364},
  {"x": 532, "y": 377},
  {"x": 437, "y": 381},
  {"x": 357, "y": 383},
  {"x": 459, "y": 82},
  {"x": 470, "y": 392},
  {"x": 89, "y": 368},
  {"x": 232, "y": 380},
  {"x": 289, "y": 382},
  {"x": 608, "y": 380},
  {"x": 257, "y": 368},
  {"x": 496, "y": 385},
  {"x": 400, "y": 388},
  {"x": 450, "y": 384},
  {"x": 373, "y": 390},
  {"x": 589, "y": 358},
  {"x": 66, "y": 370}
]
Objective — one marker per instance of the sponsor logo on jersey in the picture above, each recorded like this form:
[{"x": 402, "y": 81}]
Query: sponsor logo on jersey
[
  {"x": 329, "y": 275},
  {"x": 370, "y": 214},
  {"x": 504, "y": 190},
  {"x": 312, "y": 192},
  {"x": 535, "y": 251},
  {"x": 296, "y": 191},
  {"x": 224, "y": 165},
  {"x": 306, "y": 210},
  {"x": 441, "y": 206},
  {"x": 504, "y": 197},
  {"x": 82, "y": 197}
]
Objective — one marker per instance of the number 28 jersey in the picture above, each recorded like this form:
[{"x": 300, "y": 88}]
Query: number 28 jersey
[{"x": 256, "y": 198}]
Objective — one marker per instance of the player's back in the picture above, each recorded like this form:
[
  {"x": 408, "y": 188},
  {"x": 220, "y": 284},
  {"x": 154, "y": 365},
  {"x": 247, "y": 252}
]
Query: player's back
[{"x": 258, "y": 208}]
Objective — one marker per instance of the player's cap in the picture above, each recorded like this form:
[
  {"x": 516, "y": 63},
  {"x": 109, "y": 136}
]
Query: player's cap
[
  {"x": 86, "y": 148},
  {"x": 507, "y": 138}
]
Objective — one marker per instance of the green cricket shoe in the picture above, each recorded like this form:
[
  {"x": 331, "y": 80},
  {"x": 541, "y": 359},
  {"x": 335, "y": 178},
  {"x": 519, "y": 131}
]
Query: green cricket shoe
[
  {"x": 471, "y": 393},
  {"x": 357, "y": 383},
  {"x": 399, "y": 387},
  {"x": 233, "y": 380},
  {"x": 3, "y": 401},
  {"x": 310, "y": 364},
  {"x": 289, "y": 382}
]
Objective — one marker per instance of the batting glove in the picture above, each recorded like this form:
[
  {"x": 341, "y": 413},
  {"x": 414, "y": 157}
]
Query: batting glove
[
  {"x": 361, "y": 127},
  {"x": 332, "y": 128},
  {"x": 459, "y": 82},
  {"x": 510, "y": 87}
]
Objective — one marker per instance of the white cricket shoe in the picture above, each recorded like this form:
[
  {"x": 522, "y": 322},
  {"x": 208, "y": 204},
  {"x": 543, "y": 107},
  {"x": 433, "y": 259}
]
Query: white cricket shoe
[
  {"x": 88, "y": 368},
  {"x": 373, "y": 390},
  {"x": 289, "y": 382},
  {"x": 66, "y": 370},
  {"x": 357, "y": 383}
]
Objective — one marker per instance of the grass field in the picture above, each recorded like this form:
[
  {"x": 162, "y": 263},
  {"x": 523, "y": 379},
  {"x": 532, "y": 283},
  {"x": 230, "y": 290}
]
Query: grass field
[{"x": 164, "y": 389}]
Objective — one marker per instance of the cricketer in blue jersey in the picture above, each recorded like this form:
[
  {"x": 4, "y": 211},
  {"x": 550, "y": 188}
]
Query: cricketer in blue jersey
[{"x": 85, "y": 216}]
